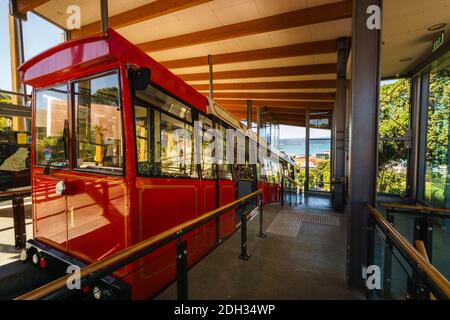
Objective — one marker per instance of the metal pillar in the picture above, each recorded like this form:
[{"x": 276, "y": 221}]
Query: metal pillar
[
  {"x": 363, "y": 138},
  {"x": 249, "y": 114},
  {"x": 338, "y": 154},
  {"x": 17, "y": 55},
  {"x": 307, "y": 152},
  {"x": 210, "y": 65},
  {"x": 104, "y": 15},
  {"x": 20, "y": 232}
]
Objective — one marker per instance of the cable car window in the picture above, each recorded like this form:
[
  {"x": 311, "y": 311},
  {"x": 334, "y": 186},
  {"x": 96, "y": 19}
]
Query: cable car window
[
  {"x": 225, "y": 169},
  {"x": 208, "y": 150},
  {"x": 50, "y": 116},
  {"x": 176, "y": 140},
  {"x": 166, "y": 103},
  {"x": 98, "y": 143}
]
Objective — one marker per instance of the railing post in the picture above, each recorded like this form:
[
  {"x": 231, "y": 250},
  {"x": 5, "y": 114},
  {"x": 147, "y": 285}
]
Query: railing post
[
  {"x": 182, "y": 270},
  {"x": 244, "y": 255},
  {"x": 370, "y": 248},
  {"x": 282, "y": 192},
  {"x": 387, "y": 269},
  {"x": 20, "y": 233},
  {"x": 261, "y": 233},
  {"x": 290, "y": 193}
]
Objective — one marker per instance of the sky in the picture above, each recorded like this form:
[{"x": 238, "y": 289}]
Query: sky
[
  {"x": 39, "y": 35},
  {"x": 289, "y": 132}
]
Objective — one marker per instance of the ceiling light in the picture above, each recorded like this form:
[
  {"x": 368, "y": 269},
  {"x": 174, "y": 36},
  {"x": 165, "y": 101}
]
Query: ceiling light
[{"x": 437, "y": 26}]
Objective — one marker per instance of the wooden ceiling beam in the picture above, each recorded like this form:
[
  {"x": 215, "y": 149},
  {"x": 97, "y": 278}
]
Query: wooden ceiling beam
[
  {"x": 306, "y": 84},
  {"x": 23, "y": 6},
  {"x": 298, "y": 18},
  {"x": 327, "y": 68},
  {"x": 146, "y": 12},
  {"x": 295, "y": 50},
  {"x": 277, "y": 104},
  {"x": 275, "y": 95}
]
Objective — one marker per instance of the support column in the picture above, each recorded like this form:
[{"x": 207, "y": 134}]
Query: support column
[
  {"x": 104, "y": 15},
  {"x": 307, "y": 152},
  {"x": 249, "y": 114},
  {"x": 363, "y": 138},
  {"x": 338, "y": 153}
]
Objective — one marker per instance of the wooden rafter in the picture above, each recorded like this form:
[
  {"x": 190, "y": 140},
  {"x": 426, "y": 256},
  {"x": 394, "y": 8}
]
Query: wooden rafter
[
  {"x": 307, "y": 84},
  {"x": 23, "y": 6},
  {"x": 302, "y": 17},
  {"x": 312, "y": 69},
  {"x": 277, "y": 104},
  {"x": 149, "y": 11},
  {"x": 295, "y": 50},
  {"x": 276, "y": 95}
]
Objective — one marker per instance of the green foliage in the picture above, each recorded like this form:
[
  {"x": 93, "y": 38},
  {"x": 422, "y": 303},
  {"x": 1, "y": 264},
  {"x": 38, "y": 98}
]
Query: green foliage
[
  {"x": 393, "y": 123},
  {"x": 5, "y": 98}
]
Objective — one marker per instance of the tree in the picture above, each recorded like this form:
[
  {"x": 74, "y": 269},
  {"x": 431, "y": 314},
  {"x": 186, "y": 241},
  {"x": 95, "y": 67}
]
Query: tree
[{"x": 393, "y": 123}]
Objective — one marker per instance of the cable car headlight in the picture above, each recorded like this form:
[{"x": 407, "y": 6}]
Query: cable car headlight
[
  {"x": 60, "y": 188},
  {"x": 35, "y": 258},
  {"x": 97, "y": 293}
]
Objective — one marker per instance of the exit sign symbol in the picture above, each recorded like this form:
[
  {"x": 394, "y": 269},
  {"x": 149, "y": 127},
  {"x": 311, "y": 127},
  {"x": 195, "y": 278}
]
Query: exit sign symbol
[{"x": 438, "y": 41}]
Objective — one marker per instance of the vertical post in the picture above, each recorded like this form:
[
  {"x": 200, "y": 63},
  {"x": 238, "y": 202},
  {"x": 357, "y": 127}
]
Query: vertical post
[
  {"x": 20, "y": 233},
  {"x": 371, "y": 246},
  {"x": 210, "y": 68},
  {"x": 363, "y": 136},
  {"x": 307, "y": 152},
  {"x": 104, "y": 15},
  {"x": 282, "y": 192},
  {"x": 249, "y": 114},
  {"x": 261, "y": 233},
  {"x": 182, "y": 270},
  {"x": 387, "y": 269},
  {"x": 290, "y": 193},
  {"x": 338, "y": 149},
  {"x": 244, "y": 255},
  {"x": 17, "y": 58}
]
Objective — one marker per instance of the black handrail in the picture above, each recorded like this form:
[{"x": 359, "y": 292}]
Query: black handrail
[{"x": 100, "y": 269}]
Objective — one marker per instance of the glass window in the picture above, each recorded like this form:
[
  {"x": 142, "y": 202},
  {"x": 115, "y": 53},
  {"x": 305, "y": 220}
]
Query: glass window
[
  {"x": 50, "y": 119},
  {"x": 393, "y": 141},
  {"x": 157, "y": 98},
  {"x": 208, "y": 149},
  {"x": 177, "y": 147},
  {"x": 437, "y": 176},
  {"x": 98, "y": 144},
  {"x": 319, "y": 151},
  {"x": 225, "y": 169}
]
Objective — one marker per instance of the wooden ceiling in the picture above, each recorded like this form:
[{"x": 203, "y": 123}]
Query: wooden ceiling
[{"x": 279, "y": 54}]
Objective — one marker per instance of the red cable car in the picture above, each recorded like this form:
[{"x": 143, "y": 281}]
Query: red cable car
[{"x": 106, "y": 169}]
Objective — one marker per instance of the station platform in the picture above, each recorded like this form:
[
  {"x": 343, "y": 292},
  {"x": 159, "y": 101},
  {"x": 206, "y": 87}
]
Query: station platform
[{"x": 303, "y": 256}]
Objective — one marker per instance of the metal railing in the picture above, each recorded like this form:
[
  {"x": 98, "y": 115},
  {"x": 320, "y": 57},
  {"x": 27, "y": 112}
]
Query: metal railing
[
  {"x": 424, "y": 220},
  {"x": 291, "y": 188},
  {"x": 100, "y": 269},
  {"x": 424, "y": 278},
  {"x": 18, "y": 106},
  {"x": 16, "y": 197}
]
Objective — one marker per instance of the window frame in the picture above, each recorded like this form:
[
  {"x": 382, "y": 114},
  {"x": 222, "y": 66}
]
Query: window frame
[
  {"x": 74, "y": 121},
  {"x": 151, "y": 109},
  {"x": 34, "y": 141}
]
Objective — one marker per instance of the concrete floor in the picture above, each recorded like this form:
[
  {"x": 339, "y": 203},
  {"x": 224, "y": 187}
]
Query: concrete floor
[{"x": 308, "y": 266}]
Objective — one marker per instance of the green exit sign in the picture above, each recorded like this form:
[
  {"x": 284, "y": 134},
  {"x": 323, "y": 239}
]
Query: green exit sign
[{"x": 438, "y": 42}]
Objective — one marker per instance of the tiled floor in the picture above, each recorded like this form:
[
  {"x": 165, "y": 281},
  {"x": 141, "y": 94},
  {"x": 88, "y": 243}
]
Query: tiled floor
[{"x": 310, "y": 265}]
